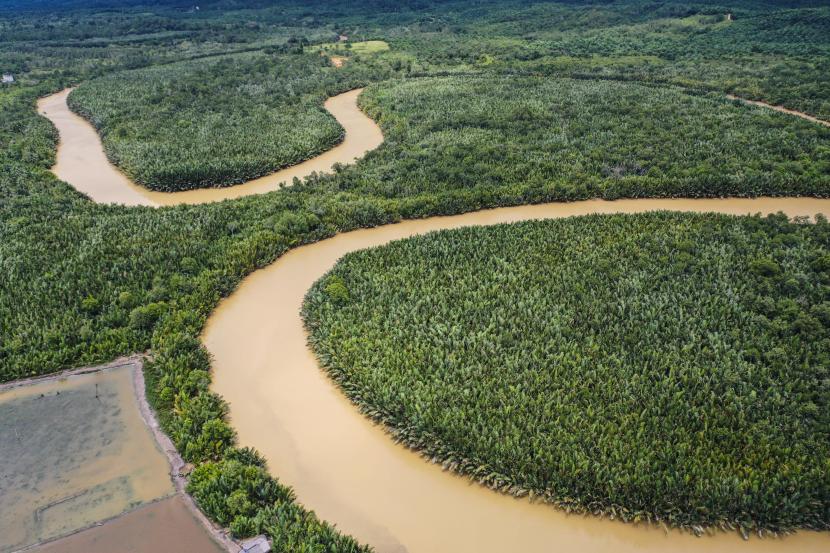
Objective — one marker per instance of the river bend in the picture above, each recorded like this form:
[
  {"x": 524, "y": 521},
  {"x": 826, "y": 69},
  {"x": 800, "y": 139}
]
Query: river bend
[
  {"x": 349, "y": 470},
  {"x": 81, "y": 160},
  {"x": 340, "y": 463}
]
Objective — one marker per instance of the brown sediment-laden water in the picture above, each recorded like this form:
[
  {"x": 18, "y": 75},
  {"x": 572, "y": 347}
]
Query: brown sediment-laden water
[
  {"x": 166, "y": 525},
  {"x": 350, "y": 472},
  {"x": 74, "y": 451},
  {"x": 81, "y": 160},
  {"x": 342, "y": 465}
]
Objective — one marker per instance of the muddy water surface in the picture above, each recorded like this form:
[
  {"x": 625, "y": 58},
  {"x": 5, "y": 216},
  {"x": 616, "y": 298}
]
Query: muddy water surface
[
  {"x": 73, "y": 452},
  {"x": 350, "y": 471},
  {"x": 164, "y": 526},
  {"x": 82, "y": 163}
]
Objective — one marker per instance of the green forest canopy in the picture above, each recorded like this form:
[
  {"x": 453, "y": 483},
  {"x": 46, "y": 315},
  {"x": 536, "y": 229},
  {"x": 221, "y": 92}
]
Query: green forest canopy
[
  {"x": 665, "y": 367},
  {"x": 84, "y": 283}
]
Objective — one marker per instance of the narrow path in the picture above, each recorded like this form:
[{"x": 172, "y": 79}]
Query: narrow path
[
  {"x": 81, "y": 160},
  {"x": 352, "y": 474},
  {"x": 780, "y": 109}
]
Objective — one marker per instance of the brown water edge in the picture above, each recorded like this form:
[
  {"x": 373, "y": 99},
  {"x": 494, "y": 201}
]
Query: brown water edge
[
  {"x": 220, "y": 537},
  {"x": 75, "y": 451},
  {"x": 350, "y": 471},
  {"x": 780, "y": 109},
  {"x": 82, "y": 163},
  {"x": 166, "y": 525}
]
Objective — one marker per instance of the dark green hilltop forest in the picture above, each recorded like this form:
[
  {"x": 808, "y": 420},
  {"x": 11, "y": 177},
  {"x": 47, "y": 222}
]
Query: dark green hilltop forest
[{"x": 482, "y": 104}]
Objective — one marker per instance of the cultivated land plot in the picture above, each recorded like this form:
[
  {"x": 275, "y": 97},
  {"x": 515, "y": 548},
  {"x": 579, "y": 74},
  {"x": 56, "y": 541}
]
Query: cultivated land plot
[
  {"x": 166, "y": 525},
  {"x": 75, "y": 452}
]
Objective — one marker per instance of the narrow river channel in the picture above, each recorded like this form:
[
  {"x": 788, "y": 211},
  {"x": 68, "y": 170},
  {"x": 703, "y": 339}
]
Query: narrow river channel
[
  {"x": 81, "y": 160},
  {"x": 350, "y": 472}
]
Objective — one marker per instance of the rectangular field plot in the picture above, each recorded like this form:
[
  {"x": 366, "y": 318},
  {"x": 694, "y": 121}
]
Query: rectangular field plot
[
  {"x": 74, "y": 452},
  {"x": 163, "y": 526}
]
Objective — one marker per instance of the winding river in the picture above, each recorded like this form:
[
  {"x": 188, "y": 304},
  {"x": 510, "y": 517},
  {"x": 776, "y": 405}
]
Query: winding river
[
  {"x": 81, "y": 160},
  {"x": 342, "y": 465},
  {"x": 350, "y": 472}
]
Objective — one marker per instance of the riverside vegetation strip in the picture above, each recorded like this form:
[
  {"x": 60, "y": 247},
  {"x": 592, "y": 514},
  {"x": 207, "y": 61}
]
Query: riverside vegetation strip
[
  {"x": 85, "y": 283},
  {"x": 664, "y": 367}
]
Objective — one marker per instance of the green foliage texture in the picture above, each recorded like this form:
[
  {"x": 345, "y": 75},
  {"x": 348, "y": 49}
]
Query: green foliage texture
[
  {"x": 83, "y": 283},
  {"x": 663, "y": 367}
]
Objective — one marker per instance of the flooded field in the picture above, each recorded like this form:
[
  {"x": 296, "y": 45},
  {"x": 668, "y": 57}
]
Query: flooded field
[
  {"x": 73, "y": 452},
  {"x": 352, "y": 474},
  {"x": 166, "y": 525},
  {"x": 81, "y": 160}
]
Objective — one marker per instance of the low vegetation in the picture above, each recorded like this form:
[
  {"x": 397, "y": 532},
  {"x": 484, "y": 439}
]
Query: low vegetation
[
  {"x": 349, "y": 47},
  {"x": 663, "y": 367}
]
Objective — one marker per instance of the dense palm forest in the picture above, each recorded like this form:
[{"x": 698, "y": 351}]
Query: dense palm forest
[
  {"x": 603, "y": 138},
  {"x": 83, "y": 283},
  {"x": 216, "y": 121},
  {"x": 587, "y": 138},
  {"x": 658, "y": 367}
]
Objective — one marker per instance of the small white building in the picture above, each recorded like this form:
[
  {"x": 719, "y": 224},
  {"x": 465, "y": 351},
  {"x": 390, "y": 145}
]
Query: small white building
[{"x": 8, "y": 78}]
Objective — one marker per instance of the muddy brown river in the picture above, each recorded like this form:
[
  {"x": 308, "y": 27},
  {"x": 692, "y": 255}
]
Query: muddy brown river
[
  {"x": 342, "y": 465},
  {"x": 350, "y": 472},
  {"x": 81, "y": 160}
]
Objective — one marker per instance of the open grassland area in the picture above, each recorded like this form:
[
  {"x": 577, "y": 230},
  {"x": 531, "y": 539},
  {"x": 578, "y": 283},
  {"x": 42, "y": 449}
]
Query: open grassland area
[
  {"x": 586, "y": 138},
  {"x": 668, "y": 367},
  {"x": 217, "y": 121}
]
